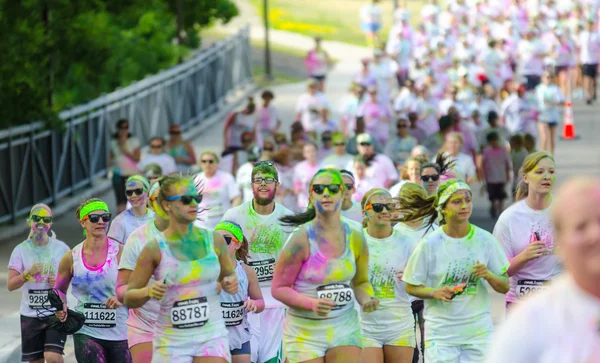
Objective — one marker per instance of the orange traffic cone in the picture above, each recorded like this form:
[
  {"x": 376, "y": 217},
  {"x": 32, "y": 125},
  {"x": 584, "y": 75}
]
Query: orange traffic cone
[{"x": 568, "y": 125}]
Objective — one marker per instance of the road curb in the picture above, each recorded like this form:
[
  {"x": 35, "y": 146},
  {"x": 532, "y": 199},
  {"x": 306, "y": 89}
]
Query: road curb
[{"x": 102, "y": 185}]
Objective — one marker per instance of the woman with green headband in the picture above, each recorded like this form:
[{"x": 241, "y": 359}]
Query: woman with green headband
[
  {"x": 388, "y": 333},
  {"x": 191, "y": 262},
  {"x": 248, "y": 298},
  {"x": 91, "y": 269},
  {"x": 448, "y": 270},
  {"x": 323, "y": 268},
  {"x": 136, "y": 190},
  {"x": 32, "y": 269}
]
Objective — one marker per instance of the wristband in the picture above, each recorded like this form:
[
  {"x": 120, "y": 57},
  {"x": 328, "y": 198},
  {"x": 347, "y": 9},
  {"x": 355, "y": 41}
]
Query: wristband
[{"x": 27, "y": 276}]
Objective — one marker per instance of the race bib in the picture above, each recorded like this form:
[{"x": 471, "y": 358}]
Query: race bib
[
  {"x": 190, "y": 313},
  {"x": 233, "y": 313},
  {"x": 99, "y": 316},
  {"x": 341, "y": 294},
  {"x": 264, "y": 269},
  {"x": 526, "y": 288},
  {"x": 37, "y": 298}
]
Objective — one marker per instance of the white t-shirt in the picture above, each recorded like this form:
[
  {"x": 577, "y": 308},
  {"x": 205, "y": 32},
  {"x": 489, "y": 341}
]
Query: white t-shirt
[
  {"x": 382, "y": 169},
  {"x": 127, "y": 222},
  {"x": 440, "y": 260},
  {"x": 340, "y": 161},
  {"x": 416, "y": 234},
  {"x": 589, "y": 45},
  {"x": 464, "y": 164},
  {"x": 558, "y": 325},
  {"x": 303, "y": 173},
  {"x": 266, "y": 239},
  {"x": 217, "y": 194},
  {"x": 362, "y": 186},
  {"x": 164, "y": 160},
  {"x": 35, "y": 293},
  {"x": 243, "y": 179},
  {"x": 354, "y": 213},
  {"x": 531, "y": 57},
  {"x": 515, "y": 229},
  {"x": 145, "y": 316},
  {"x": 548, "y": 93},
  {"x": 310, "y": 107},
  {"x": 516, "y": 112}
]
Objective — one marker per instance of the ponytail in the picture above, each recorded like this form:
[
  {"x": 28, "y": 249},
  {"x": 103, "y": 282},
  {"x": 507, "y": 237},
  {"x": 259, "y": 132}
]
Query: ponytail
[
  {"x": 299, "y": 219},
  {"x": 242, "y": 253},
  {"x": 522, "y": 191},
  {"x": 417, "y": 206}
]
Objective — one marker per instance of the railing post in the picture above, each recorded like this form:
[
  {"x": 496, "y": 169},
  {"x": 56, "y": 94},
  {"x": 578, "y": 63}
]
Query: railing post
[{"x": 11, "y": 179}]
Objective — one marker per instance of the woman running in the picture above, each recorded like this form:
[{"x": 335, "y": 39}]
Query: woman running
[
  {"x": 32, "y": 268},
  {"x": 182, "y": 151},
  {"x": 431, "y": 172},
  {"x": 322, "y": 268},
  {"x": 526, "y": 232},
  {"x": 190, "y": 261},
  {"x": 124, "y": 156},
  {"x": 448, "y": 269},
  {"x": 136, "y": 190},
  {"x": 409, "y": 173},
  {"x": 247, "y": 299},
  {"x": 388, "y": 333},
  {"x": 140, "y": 324},
  {"x": 91, "y": 269}
]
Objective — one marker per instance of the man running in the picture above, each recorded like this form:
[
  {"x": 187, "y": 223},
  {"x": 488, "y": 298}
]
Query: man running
[{"x": 259, "y": 219}]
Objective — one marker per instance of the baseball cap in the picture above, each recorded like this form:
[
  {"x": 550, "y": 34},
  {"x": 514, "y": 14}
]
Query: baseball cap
[{"x": 364, "y": 139}]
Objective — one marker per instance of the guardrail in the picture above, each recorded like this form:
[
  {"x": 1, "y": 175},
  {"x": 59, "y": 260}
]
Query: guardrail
[{"x": 42, "y": 166}]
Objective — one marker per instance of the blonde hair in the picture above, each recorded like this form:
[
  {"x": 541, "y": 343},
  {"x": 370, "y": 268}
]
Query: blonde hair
[
  {"x": 530, "y": 163},
  {"x": 367, "y": 197},
  {"x": 417, "y": 159},
  {"x": 457, "y": 135}
]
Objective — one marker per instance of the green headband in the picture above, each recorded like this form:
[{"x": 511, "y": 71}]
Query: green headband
[
  {"x": 139, "y": 178},
  {"x": 92, "y": 207},
  {"x": 232, "y": 228}
]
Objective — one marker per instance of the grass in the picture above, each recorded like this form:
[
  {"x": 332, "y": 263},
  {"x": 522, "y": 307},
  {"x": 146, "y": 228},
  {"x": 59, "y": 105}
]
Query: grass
[
  {"x": 215, "y": 34},
  {"x": 331, "y": 19},
  {"x": 278, "y": 77}
]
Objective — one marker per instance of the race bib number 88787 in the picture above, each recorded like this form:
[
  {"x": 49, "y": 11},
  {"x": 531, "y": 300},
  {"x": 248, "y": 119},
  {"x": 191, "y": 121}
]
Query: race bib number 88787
[{"x": 341, "y": 294}]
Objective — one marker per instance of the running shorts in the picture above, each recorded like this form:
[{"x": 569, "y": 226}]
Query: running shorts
[
  {"x": 38, "y": 337},
  {"x": 590, "y": 70},
  {"x": 396, "y": 334},
  {"x": 93, "y": 350},
  {"x": 267, "y": 334},
  {"x": 306, "y": 339},
  {"x": 137, "y": 336},
  {"x": 175, "y": 351},
  {"x": 467, "y": 353},
  {"x": 245, "y": 349}
]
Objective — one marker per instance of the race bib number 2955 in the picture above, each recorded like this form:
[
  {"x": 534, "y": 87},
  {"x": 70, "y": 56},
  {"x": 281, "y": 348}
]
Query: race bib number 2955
[{"x": 264, "y": 269}]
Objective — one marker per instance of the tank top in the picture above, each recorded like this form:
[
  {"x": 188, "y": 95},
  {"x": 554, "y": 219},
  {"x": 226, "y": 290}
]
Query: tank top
[
  {"x": 91, "y": 289},
  {"x": 234, "y": 312},
  {"x": 190, "y": 309},
  {"x": 323, "y": 277}
]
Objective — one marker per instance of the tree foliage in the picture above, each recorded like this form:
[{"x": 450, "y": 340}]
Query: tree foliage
[{"x": 60, "y": 53}]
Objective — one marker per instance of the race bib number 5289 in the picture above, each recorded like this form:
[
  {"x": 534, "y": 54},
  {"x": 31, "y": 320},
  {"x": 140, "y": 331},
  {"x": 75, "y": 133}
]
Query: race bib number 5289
[
  {"x": 38, "y": 298},
  {"x": 341, "y": 294},
  {"x": 526, "y": 288}
]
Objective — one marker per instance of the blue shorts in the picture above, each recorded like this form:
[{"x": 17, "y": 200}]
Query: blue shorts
[
  {"x": 370, "y": 27},
  {"x": 245, "y": 349}
]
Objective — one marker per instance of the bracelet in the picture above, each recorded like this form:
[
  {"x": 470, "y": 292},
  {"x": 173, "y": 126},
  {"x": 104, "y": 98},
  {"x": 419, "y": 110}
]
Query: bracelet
[{"x": 27, "y": 276}]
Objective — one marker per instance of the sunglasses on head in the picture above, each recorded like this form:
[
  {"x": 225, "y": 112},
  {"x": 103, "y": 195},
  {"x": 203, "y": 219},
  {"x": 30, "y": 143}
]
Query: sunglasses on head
[
  {"x": 259, "y": 181},
  {"x": 320, "y": 188},
  {"x": 267, "y": 162},
  {"x": 137, "y": 191},
  {"x": 186, "y": 199},
  {"x": 37, "y": 219},
  {"x": 378, "y": 207},
  {"x": 211, "y": 161},
  {"x": 427, "y": 178},
  {"x": 95, "y": 218},
  {"x": 228, "y": 240}
]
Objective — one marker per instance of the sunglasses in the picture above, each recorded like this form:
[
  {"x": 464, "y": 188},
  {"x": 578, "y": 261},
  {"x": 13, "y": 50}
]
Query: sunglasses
[
  {"x": 247, "y": 141},
  {"x": 268, "y": 163},
  {"x": 155, "y": 146},
  {"x": 402, "y": 126},
  {"x": 137, "y": 191},
  {"x": 427, "y": 178},
  {"x": 349, "y": 186},
  {"x": 259, "y": 181},
  {"x": 326, "y": 139},
  {"x": 186, "y": 199},
  {"x": 268, "y": 149},
  {"x": 228, "y": 240},
  {"x": 95, "y": 218},
  {"x": 37, "y": 219},
  {"x": 365, "y": 144},
  {"x": 175, "y": 132},
  {"x": 124, "y": 127},
  {"x": 332, "y": 188},
  {"x": 378, "y": 207},
  {"x": 211, "y": 161},
  {"x": 340, "y": 144}
]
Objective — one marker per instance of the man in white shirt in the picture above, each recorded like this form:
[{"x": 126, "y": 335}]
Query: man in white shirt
[
  {"x": 379, "y": 166},
  {"x": 310, "y": 105},
  {"x": 589, "y": 49},
  {"x": 158, "y": 156},
  {"x": 562, "y": 323}
]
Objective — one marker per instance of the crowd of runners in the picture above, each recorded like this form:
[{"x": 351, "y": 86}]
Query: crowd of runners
[{"x": 350, "y": 240}]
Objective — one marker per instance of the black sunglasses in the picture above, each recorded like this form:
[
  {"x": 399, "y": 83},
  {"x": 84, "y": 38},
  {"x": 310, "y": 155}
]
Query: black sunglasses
[
  {"x": 267, "y": 162},
  {"x": 320, "y": 188},
  {"x": 211, "y": 161},
  {"x": 124, "y": 127},
  {"x": 137, "y": 191},
  {"x": 427, "y": 178},
  {"x": 349, "y": 186},
  {"x": 378, "y": 207},
  {"x": 339, "y": 144},
  {"x": 46, "y": 220},
  {"x": 365, "y": 144},
  {"x": 175, "y": 132},
  {"x": 95, "y": 218},
  {"x": 269, "y": 149},
  {"x": 259, "y": 181},
  {"x": 155, "y": 146},
  {"x": 186, "y": 199},
  {"x": 227, "y": 239},
  {"x": 326, "y": 139},
  {"x": 402, "y": 126}
]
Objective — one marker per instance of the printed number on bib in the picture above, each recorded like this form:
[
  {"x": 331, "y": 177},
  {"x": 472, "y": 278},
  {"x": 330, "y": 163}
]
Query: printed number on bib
[
  {"x": 99, "y": 316},
  {"x": 233, "y": 313},
  {"x": 38, "y": 298},
  {"x": 190, "y": 313},
  {"x": 341, "y": 294},
  {"x": 526, "y": 288},
  {"x": 264, "y": 269}
]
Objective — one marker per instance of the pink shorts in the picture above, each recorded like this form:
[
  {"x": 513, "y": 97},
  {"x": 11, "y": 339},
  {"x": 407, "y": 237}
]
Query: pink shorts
[{"x": 136, "y": 336}]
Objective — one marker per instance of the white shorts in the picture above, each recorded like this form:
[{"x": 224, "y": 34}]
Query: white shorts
[
  {"x": 137, "y": 336},
  {"x": 267, "y": 335},
  {"x": 185, "y": 353},
  {"x": 306, "y": 339},
  {"x": 467, "y": 353},
  {"x": 386, "y": 327},
  {"x": 392, "y": 337}
]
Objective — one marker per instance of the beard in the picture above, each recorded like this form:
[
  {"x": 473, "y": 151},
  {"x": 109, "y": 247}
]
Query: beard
[{"x": 265, "y": 201}]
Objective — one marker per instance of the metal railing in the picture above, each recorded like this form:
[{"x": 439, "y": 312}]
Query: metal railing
[{"x": 41, "y": 166}]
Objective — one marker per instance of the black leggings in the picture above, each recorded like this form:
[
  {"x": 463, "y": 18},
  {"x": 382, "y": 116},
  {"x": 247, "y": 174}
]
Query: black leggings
[
  {"x": 92, "y": 350},
  {"x": 417, "y": 308}
]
